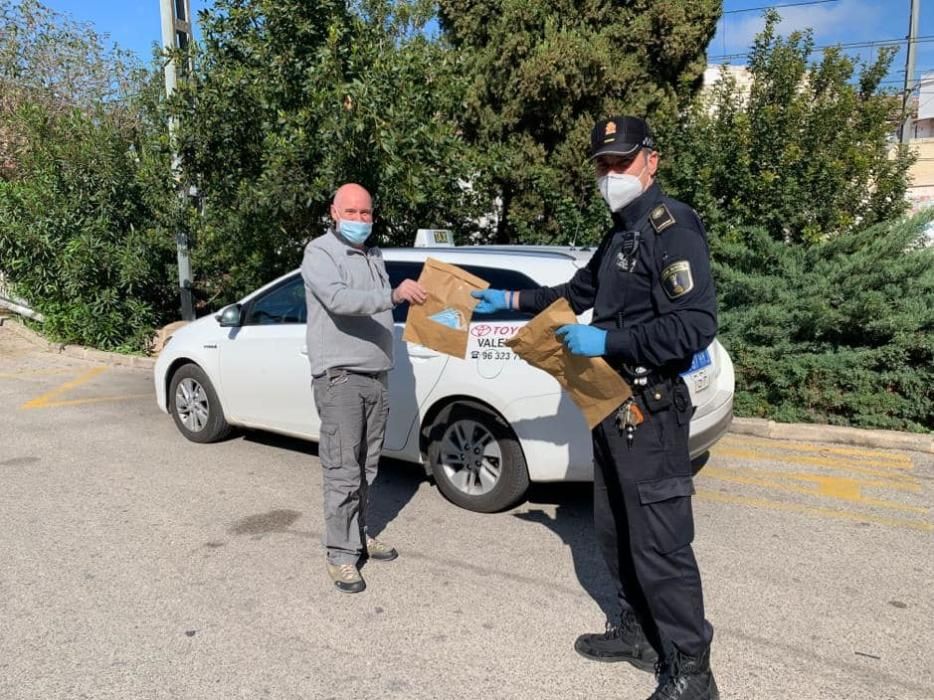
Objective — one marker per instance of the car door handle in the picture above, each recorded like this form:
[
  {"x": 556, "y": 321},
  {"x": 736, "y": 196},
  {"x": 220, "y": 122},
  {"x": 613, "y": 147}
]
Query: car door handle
[{"x": 304, "y": 350}]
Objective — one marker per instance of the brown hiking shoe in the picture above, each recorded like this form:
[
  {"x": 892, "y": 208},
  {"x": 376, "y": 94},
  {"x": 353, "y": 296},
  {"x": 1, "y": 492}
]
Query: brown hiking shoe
[
  {"x": 346, "y": 577},
  {"x": 379, "y": 551}
]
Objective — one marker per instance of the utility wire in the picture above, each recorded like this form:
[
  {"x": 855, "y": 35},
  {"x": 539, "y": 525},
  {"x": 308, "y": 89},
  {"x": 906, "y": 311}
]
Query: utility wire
[
  {"x": 852, "y": 45},
  {"x": 772, "y": 7},
  {"x": 764, "y": 7}
]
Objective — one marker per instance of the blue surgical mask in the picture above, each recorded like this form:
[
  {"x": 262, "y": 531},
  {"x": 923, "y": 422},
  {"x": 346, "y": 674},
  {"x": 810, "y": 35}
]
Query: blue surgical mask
[{"x": 355, "y": 232}]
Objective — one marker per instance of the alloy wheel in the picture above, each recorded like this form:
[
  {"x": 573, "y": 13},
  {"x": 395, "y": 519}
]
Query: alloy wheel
[
  {"x": 471, "y": 457},
  {"x": 191, "y": 403}
]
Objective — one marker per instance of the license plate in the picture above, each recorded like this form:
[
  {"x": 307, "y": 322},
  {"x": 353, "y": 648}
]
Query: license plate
[{"x": 699, "y": 373}]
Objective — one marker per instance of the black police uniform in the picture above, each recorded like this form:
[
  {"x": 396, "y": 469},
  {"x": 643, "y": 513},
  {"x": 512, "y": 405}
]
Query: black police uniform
[{"x": 650, "y": 287}]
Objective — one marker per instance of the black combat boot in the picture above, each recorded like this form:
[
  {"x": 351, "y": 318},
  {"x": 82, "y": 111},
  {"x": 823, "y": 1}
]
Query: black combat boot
[
  {"x": 623, "y": 642},
  {"x": 682, "y": 677}
]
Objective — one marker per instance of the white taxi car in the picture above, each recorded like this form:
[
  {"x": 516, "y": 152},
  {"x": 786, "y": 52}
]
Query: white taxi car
[{"x": 483, "y": 426}]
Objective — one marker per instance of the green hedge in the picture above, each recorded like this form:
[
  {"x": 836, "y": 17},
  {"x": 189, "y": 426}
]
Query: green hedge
[
  {"x": 83, "y": 231},
  {"x": 841, "y": 332}
]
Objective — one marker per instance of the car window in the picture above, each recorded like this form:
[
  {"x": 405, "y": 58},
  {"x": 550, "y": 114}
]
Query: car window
[
  {"x": 282, "y": 304},
  {"x": 497, "y": 277}
]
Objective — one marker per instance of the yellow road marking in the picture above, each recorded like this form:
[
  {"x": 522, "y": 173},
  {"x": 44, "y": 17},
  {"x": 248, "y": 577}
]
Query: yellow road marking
[
  {"x": 47, "y": 399},
  {"x": 814, "y": 510},
  {"x": 36, "y": 374},
  {"x": 96, "y": 399},
  {"x": 840, "y": 488},
  {"x": 823, "y": 463},
  {"x": 887, "y": 458},
  {"x": 832, "y": 483}
]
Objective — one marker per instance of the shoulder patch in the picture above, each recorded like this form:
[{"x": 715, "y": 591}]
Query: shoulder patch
[
  {"x": 661, "y": 218},
  {"x": 677, "y": 279}
]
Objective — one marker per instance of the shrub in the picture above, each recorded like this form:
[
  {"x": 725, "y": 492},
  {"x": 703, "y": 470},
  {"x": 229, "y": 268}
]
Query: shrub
[{"x": 840, "y": 332}]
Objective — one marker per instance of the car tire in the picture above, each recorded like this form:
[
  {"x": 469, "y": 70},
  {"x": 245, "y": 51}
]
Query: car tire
[
  {"x": 195, "y": 407},
  {"x": 476, "y": 459}
]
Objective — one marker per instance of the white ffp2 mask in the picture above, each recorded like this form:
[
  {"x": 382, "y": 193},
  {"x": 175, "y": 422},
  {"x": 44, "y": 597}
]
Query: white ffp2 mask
[{"x": 618, "y": 189}]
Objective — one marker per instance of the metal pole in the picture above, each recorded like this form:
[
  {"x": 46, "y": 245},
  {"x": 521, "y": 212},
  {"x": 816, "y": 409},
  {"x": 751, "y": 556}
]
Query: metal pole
[
  {"x": 908, "y": 122},
  {"x": 176, "y": 33}
]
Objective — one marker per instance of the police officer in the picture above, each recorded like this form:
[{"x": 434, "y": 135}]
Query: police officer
[{"x": 654, "y": 307}]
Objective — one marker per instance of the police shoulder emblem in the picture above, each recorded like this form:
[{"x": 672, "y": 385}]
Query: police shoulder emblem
[
  {"x": 677, "y": 279},
  {"x": 661, "y": 218}
]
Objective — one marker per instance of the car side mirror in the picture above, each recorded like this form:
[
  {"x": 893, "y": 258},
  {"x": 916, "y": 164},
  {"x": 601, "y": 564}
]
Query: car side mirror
[{"x": 230, "y": 316}]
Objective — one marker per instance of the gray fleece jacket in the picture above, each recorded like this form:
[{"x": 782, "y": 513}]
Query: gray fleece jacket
[{"x": 349, "y": 307}]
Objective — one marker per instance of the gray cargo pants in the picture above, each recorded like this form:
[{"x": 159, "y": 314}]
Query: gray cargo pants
[{"x": 353, "y": 409}]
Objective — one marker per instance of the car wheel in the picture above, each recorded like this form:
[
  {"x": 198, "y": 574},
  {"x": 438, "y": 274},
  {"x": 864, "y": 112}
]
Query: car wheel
[
  {"x": 475, "y": 459},
  {"x": 195, "y": 407}
]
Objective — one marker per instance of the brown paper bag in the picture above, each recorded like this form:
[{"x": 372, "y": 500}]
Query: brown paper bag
[
  {"x": 443, "y": 321},
  {"x": 591, "y": 383}
]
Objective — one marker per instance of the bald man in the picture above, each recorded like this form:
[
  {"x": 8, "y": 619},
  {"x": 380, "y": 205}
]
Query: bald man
[{"x": 349, "y": 335}]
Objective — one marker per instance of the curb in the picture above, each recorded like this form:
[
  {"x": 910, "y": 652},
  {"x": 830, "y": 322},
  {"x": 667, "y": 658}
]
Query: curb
[
  {"x": 884, "y": 439},
  {"x": 80, "y": 352}
]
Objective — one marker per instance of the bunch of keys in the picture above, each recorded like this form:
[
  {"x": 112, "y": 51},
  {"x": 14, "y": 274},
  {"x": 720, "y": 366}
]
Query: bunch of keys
[{"x": 628, "y": 418}]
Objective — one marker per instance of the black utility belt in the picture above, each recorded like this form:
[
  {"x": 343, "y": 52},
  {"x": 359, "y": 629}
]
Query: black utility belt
[
  {"x": 655, "y": 391},
  {"x": 643, "y": 381},
  {"x": 337, "y": 373}
]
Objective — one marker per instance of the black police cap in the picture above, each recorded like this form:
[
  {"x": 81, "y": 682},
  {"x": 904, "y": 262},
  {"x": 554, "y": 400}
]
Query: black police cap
[{"x": 620, "y": 136}]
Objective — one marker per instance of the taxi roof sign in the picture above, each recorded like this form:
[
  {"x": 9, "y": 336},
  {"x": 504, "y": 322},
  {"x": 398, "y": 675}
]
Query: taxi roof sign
[{"x": 434, "y": 238}]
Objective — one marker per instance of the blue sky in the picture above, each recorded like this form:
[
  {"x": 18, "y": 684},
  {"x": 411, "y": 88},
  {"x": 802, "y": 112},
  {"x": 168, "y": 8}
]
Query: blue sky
[
  {"x": 131, "y": 24},
  {"x": 134, "y": 25},
  {"x": 836, "y": 22}
]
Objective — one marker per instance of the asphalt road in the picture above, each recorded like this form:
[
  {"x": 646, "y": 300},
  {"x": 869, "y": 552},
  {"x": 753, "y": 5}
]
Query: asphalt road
[{"x": 134, "y": 564}]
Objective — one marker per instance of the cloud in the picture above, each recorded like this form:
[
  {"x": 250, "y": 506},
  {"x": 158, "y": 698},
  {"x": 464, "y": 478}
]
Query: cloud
[{"x": 839, "y": 22}]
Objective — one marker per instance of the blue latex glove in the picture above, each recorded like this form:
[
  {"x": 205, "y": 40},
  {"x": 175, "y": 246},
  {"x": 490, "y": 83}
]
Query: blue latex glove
[
  {"x": 583, "y": 340},
  {"x": 491, "y": 301}
]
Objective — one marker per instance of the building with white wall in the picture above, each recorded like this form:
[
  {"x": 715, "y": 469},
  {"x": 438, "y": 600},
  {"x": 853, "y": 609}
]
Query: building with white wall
[{"x": 921, "y": 191}]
